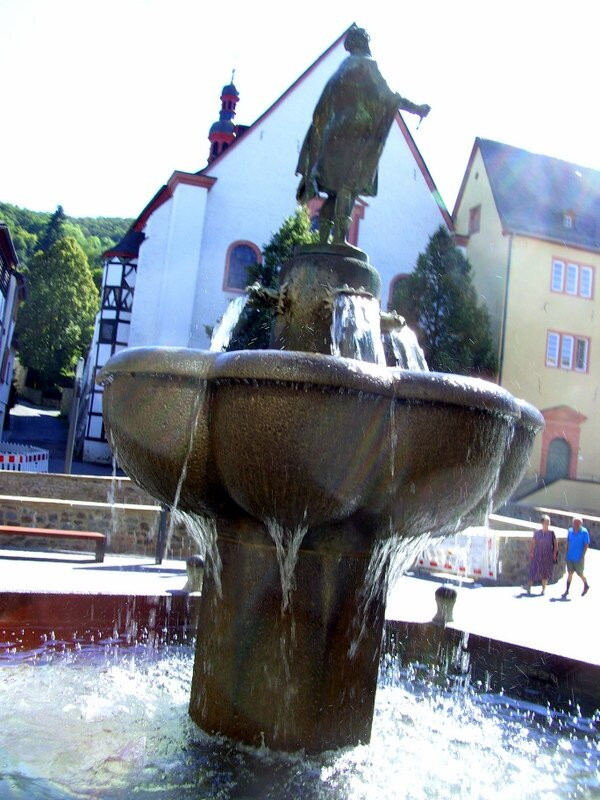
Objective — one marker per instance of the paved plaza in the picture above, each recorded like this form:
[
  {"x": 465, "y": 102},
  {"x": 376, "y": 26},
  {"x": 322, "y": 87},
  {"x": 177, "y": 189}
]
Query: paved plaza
[{"x": 563, "y": 627}]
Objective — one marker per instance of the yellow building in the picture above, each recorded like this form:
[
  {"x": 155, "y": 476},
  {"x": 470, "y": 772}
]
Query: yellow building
[{"x": 530, "y": 226}]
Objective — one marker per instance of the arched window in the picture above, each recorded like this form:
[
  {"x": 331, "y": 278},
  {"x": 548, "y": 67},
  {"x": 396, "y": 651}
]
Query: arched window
[
  {"x": 559, "y": 460},
  {"x": 239, "y": 257}
]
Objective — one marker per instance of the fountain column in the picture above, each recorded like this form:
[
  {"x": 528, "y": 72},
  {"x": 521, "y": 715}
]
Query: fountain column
[{"x": 301, "y": 676}]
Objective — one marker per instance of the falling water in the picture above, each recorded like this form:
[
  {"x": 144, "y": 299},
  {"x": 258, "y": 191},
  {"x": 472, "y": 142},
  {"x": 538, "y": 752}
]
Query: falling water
[
  {"x": 203, "y": 530},
  {"x": 224, "y": 329},
  {"x": 390, "y": 558},
  {"x": 505, "y": 450},
  {"x": 287, "y": 545},
  {"x": 406, "y": 350},
  {"x": 355, "y": 328},
  {"x": 112, "y": 493},
  {"x": 197, "y": 407}
]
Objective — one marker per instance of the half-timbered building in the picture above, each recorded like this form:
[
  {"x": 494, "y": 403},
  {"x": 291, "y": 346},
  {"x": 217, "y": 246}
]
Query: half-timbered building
[{"x": 12, "y": 289}]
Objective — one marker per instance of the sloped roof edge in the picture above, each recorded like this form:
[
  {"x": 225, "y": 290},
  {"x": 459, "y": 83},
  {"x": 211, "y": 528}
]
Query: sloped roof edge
[
  {"x": 277, "y": 102},
  {"x": 161, "y": 196},
  {"x": 424, "y": 170},
  {"x": 465, "y": 178}
]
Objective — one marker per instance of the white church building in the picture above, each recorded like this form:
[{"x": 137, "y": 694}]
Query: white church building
[{"x": 184, "y": 258}]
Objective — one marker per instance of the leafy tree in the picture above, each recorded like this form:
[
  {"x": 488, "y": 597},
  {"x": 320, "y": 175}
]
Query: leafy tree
[
  {"x": 254, "y": 328},
  {"x": 295, "y": 230},
  {"x": 439, "y": 300},
  {"x": 53, "y": 230},
  {"x": 55, "y": 323}
]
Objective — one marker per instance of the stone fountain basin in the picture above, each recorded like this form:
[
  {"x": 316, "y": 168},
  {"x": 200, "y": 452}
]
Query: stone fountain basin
[{"x": 307, "y": 439}]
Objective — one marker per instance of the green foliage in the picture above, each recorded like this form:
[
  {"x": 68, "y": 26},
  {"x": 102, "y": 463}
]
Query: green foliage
[
  {"x": 56, "y": 321},
  {"x": 439, "y": 300},
  {"x": 254, "y": 328},
  {"x": 94, "y": 234},
  {"x": 295, "y": 230},
  {"x": 53, "y": 230}
]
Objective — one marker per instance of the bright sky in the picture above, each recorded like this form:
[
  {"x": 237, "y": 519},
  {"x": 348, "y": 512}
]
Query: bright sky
[{"x": 103, "y": 100}]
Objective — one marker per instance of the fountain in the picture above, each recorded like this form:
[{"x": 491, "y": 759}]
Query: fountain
[{"x": 306, "y": 475}]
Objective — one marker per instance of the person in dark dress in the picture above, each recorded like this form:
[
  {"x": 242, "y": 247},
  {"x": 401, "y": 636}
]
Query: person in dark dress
[{"x": 543, "y": 554}]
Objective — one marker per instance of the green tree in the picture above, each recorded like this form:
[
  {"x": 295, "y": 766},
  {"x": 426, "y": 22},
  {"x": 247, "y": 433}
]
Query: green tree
[
  {"x": 54, "y": 230},
  {"x": 56, "y": 321},
  {"x": 439, "y": 301},
  {"x": 254, "y": 328}
]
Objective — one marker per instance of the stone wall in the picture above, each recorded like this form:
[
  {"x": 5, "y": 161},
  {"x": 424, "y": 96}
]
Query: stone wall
[
  {"x": 129, "y": 528},
  {"x": 92, "y": 488}
]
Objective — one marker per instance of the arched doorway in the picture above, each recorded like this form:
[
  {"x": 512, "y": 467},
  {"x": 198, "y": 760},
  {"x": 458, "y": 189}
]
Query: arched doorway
[{"x": 558, "y": 460}]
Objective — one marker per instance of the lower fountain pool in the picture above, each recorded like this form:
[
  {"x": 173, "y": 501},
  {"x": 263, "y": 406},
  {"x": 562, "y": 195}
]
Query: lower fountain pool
[{"x": 110, "y": 721}]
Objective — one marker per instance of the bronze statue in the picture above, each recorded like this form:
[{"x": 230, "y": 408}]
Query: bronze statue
[{"x": 343, "y": 145}]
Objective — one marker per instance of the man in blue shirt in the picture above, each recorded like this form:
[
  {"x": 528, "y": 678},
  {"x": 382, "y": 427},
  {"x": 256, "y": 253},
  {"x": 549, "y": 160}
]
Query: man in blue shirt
[{"x": 578, "y": 541}]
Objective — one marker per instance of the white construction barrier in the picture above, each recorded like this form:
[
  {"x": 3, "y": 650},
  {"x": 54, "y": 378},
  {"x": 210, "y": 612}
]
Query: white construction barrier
[
  {"x": 23, "y": 457},
  {"x": 469, "y": 554}
]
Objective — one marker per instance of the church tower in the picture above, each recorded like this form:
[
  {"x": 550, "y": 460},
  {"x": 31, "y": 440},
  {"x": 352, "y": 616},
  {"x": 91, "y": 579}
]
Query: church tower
[{"x": 223, "y": 132}]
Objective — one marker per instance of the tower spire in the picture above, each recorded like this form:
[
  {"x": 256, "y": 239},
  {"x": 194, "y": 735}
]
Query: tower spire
[{"x": 223, "y": 132}]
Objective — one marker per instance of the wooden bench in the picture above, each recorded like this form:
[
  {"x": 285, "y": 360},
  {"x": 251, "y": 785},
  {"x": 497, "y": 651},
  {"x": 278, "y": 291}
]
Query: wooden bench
[{"x": 51, "y": 533}]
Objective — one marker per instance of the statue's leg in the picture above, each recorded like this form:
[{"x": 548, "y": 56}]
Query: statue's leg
[
  {"x": 344, "y": 203},
  {"x": 326, "y": 218}
]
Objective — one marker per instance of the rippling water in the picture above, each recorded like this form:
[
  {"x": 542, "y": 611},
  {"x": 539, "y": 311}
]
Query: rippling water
[{"x": 104, "y": 721}]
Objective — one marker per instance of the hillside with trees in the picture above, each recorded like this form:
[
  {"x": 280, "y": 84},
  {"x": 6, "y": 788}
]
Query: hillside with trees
[{"x": 94, "y": 235}]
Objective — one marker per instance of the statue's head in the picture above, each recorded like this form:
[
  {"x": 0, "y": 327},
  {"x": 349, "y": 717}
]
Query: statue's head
[{"x": 357, "y": 42}]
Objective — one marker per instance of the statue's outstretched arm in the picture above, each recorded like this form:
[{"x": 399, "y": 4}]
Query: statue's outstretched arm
[{"x": 406, "y": 105}]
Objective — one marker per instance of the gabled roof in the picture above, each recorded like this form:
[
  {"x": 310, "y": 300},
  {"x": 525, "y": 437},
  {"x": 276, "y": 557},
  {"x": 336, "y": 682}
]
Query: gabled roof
[
  {"x": 533, "y": 193},
  {"x": 128, "y": 247},
  {"x": 204, "y": 179}
]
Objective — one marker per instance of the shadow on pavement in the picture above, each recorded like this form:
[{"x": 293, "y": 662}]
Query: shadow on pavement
[{"x": 152, "y": 568}]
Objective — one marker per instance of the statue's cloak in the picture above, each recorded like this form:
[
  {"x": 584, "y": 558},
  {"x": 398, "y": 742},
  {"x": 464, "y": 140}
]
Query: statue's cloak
[{"x": 350, "y": 124}]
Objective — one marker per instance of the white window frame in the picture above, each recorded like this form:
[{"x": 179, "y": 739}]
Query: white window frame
[
  {"x": 558, "y": 275},
  {"x": 586, "y": 343},
  {"x": 583, "y": 270},
  {"x": 552, "y": 349},
  {"x": 569, "y": 277},
  {"x": 567, "y": 345},
  {"x": 562, "y": 351},
  {"x": 572, "y": 272}
]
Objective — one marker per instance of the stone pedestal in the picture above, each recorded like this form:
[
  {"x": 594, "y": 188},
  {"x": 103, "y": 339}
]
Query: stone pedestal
[
  {"x": 304, "y": 676},
  {"x": 309, "y": 282}
]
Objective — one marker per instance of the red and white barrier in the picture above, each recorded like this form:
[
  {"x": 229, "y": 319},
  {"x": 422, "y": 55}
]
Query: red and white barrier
[
  {"x": 23, "y": 458},
  {"x": 470, "y": 554}
]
